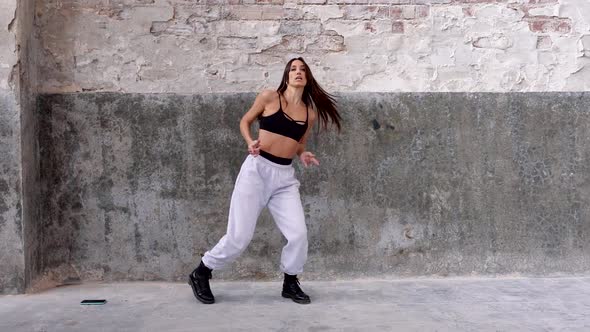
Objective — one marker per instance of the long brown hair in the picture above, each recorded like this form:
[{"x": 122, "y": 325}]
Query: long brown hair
[{"x": 314, "y": 96}]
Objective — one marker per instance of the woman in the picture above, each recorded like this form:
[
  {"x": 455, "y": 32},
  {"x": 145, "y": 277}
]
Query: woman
[{"x": 267, "y": 178}]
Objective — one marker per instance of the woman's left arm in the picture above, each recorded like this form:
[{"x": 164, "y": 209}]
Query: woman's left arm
[{"x": 306, "y": 157}]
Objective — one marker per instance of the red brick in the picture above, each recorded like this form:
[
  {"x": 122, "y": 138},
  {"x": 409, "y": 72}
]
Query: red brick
[
  {"x": 395, "y": 12},
  {"x": 397, "y": 27},
  {"x": 422, "y": 11},
  {"x": 564, "y": 26},
  {"x": 409, "y": 12},
  {"x": 538, "y": 25},
  {"x": 544, "y": 24},
  {"x": 468, "y": 11}
]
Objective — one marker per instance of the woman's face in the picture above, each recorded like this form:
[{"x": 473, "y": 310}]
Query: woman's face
[{"x": 297, "y": 77}]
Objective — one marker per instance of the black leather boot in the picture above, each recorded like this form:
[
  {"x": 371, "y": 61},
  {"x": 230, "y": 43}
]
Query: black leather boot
[
  {"x": 199, "y": 282},
  {"x": 292, "y": 290}
]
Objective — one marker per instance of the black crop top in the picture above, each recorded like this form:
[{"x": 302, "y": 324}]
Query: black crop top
[{"x": 282, "y": 124}]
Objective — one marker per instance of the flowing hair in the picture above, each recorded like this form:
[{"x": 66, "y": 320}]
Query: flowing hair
[{"x": 314, "y": 96}]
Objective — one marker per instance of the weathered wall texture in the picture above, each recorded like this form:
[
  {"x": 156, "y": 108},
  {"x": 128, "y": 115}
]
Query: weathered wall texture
[
  {"x": 12, "y": 262},
  {"x": 354, "y": 45},
  {"x": 416, "y": 184},
  {"x": 12, "y": 271},
  {"x": 27, "y": 79},
  {"x": 19, "y": 171}
]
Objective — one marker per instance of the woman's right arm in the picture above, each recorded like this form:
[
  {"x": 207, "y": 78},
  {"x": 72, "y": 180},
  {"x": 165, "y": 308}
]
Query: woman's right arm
[{"x": 257, "y": 108}]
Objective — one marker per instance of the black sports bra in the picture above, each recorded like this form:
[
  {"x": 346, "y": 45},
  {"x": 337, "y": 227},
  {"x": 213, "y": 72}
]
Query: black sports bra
[{"x": 282, "y": 124}]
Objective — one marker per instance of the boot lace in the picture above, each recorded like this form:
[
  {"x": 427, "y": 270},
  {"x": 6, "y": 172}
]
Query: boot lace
[{"x": 295, "y": 285}]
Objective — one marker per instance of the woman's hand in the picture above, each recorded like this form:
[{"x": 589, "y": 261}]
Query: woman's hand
[
  {"x": 254, "y": 148},
  {"x": 308, "y": 158}
]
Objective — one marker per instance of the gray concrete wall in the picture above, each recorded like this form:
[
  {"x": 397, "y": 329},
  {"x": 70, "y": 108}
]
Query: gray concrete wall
[
  {"x": 19, "y": 174},
  {"x": 137, "y": 186},
  {"x": 27, "y": 79},
  {"x": 12, "y": 270}
]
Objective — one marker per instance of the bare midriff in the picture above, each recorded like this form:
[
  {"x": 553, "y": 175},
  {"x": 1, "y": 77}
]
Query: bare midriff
[{"x": 277, "y": 145}]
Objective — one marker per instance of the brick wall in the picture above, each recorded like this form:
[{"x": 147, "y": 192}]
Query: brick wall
[{"x": 353, "y": 45}]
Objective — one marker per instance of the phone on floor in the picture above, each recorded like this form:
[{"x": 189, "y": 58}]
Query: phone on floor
[{"x": 93, "y": 302}]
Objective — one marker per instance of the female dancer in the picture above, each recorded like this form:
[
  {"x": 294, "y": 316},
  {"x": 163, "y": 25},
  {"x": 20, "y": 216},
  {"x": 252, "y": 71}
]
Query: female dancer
[{"x": 267, "y": 177}]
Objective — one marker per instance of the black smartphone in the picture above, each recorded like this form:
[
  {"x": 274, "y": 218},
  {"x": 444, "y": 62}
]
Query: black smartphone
[{"x": 93, "y": 302}]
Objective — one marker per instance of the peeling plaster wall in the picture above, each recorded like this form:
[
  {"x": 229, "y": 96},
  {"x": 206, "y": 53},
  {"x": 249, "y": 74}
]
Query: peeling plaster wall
[{"x": 353, "y": 45}]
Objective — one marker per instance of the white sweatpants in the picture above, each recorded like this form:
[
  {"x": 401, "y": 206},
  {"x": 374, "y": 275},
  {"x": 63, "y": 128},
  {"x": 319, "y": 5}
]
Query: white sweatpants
[{"x": 261, "y": 183}]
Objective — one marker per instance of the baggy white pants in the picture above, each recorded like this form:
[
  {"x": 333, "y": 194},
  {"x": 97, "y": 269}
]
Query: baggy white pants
[{"x": 261, "y": 183}]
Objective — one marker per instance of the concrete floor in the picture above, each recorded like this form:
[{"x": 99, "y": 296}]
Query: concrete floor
[{"x": 524, "y": 304}]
